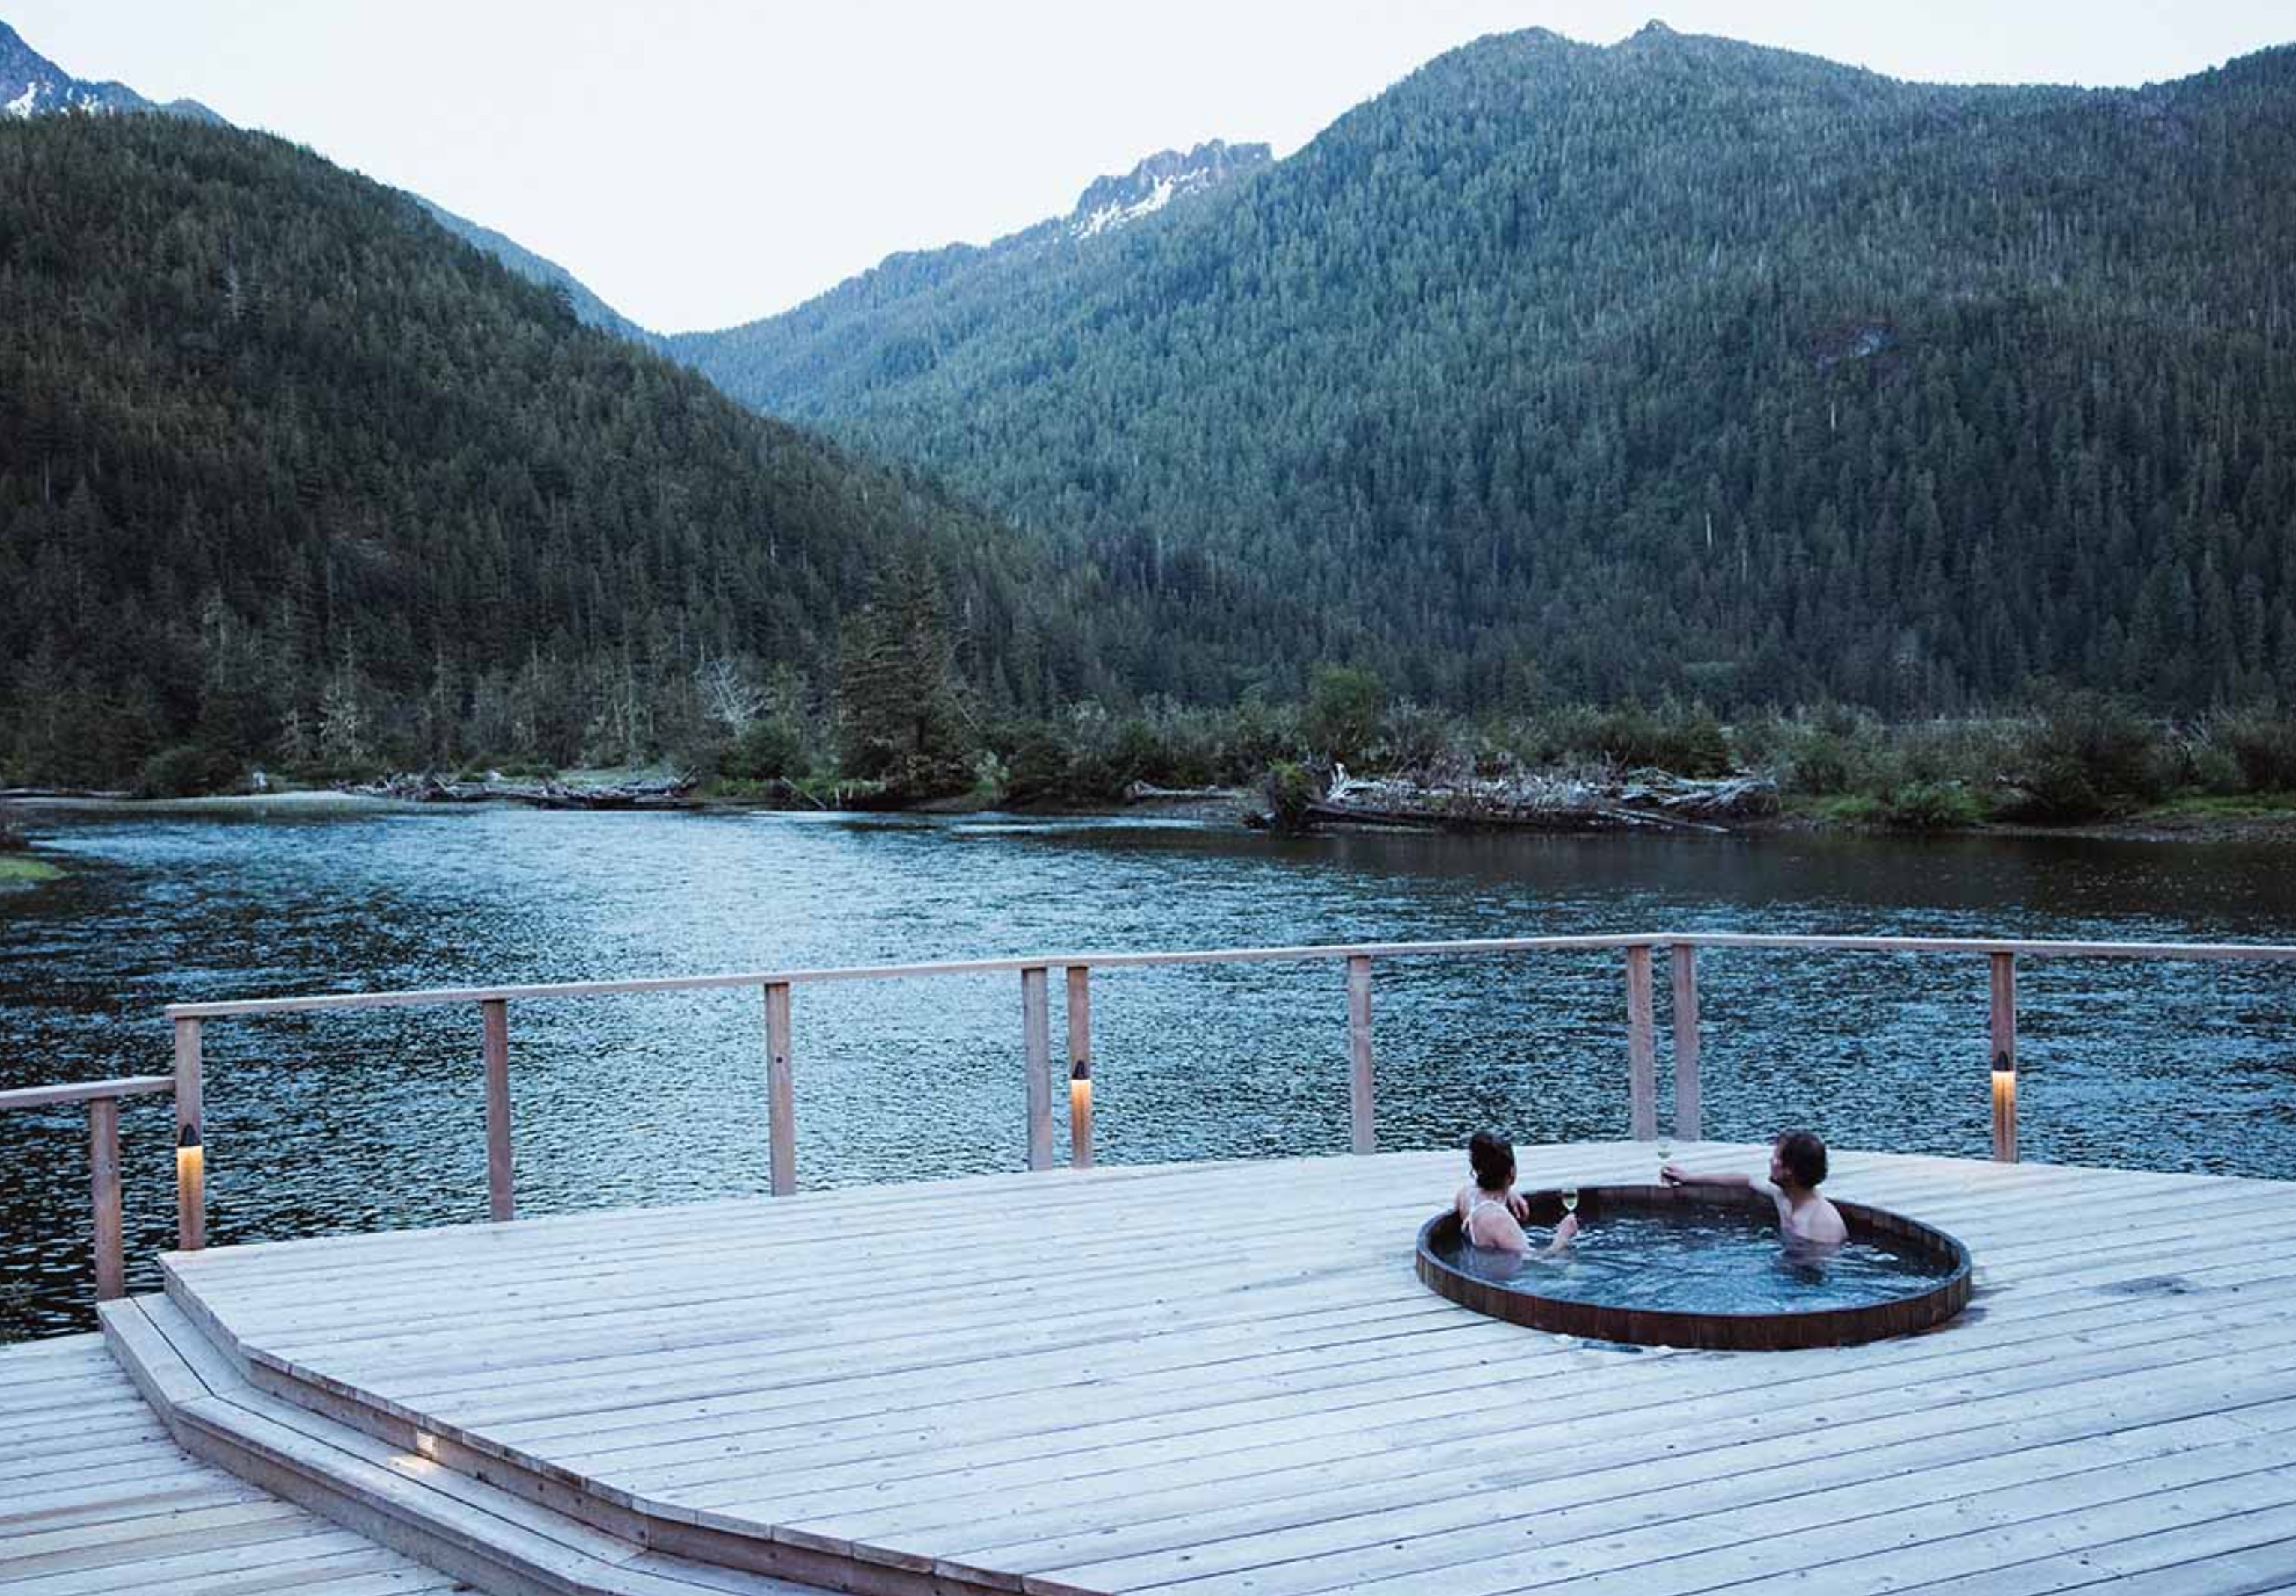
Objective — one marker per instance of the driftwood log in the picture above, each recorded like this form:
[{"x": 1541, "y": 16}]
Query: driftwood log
[
  {"x": 1642, "y": 800},
  {"x": 8, "y": 793},
  {"x": 669, "y": 793},
  {"x": 1145, "y": 792}
]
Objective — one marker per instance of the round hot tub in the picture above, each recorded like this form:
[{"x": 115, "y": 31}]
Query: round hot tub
[{"x": 1704, "y": 1267}]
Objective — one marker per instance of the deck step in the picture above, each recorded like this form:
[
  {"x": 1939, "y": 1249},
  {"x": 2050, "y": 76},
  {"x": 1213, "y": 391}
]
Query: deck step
[{"x": 491, "y": 1538}]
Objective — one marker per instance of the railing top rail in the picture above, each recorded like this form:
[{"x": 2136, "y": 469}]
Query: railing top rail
[
  {"x": 866, "y": 972},
  {"x": 2267, "y": 952},
  {"x": 1240, "y": 955},
  {"x": 43, "y": 1097}
]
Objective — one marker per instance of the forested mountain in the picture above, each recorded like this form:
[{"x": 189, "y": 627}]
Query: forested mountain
[
  {"x": 1680, "y": 365},
  {"x": 288, "y": 473}
]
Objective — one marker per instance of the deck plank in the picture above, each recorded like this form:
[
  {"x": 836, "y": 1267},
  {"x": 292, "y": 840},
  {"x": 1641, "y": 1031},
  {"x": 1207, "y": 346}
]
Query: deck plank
[
  {"x": 1051, "y": 1416},
  {"x": 1214, "y": 1379},
  {"x": 113, "y": 1505}
]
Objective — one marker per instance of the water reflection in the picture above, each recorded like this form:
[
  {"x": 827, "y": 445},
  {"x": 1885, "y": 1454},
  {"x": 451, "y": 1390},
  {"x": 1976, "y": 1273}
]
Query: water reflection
[{"x": 344, "y": 1123}]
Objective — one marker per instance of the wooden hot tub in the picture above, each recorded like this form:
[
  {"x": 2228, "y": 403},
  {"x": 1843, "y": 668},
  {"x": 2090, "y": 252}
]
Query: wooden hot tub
[{"x": 1925, "y": 1305}]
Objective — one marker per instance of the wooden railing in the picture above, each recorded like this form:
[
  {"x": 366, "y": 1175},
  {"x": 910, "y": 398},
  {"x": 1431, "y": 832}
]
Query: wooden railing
[
  {"x": 102, "y": 1100},
  {"x": 777, "y": 986},
  {"x": 1358, "y": 959}
]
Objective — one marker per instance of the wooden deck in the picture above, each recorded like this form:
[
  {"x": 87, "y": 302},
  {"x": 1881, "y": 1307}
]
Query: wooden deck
[
  {"x": 94, "y": 1497},
  {"x": 1212, "y": 1378}
]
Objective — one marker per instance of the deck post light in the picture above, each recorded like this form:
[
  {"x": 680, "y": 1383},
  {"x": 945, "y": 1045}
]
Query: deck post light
[
  {"x": 1080, "y": 1113},
  {"x": 2005, "y": 1106},
  {"x": 2001, "y": 1031},
  {"x": 190, "y": 1187},
  {"x": 1080, "y": 980}
]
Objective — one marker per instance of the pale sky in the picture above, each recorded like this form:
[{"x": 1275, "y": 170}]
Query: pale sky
[{"x": 704, "y": 162}]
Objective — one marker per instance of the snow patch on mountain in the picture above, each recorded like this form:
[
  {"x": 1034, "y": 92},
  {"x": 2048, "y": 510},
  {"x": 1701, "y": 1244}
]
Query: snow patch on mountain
[
  {"x": 1114, "y": 202},
  {"x": 1117, "y": 215},
  {"x": 33, "y": 86}
]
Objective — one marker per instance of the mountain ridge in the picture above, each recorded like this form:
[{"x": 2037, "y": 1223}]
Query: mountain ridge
[
  {"x": 32, "y": 85},
  {"x": 1108, "y": 206},
  {"x": 588, "y": 307}
]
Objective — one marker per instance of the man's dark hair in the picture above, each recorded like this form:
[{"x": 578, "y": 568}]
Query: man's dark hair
[
  {"x": 1804, "y": 1155},
  {"x": 1493, "y": 1160}
]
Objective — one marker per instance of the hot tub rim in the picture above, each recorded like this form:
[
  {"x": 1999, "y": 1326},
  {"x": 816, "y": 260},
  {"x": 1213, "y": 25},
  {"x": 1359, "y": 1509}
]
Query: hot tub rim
[{"x": 1719, "y": 1330}]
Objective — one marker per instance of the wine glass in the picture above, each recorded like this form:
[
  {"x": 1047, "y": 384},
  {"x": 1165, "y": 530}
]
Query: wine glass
[{"x": 1570, "y": 1199}]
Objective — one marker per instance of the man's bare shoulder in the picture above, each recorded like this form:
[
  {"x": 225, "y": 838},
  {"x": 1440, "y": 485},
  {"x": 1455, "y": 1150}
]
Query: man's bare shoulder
[{"x": 1819, "y": 1220}]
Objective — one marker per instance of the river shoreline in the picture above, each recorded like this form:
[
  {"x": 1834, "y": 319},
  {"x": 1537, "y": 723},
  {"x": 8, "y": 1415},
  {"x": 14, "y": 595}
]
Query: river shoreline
[{"x": 2171, "y": 822}]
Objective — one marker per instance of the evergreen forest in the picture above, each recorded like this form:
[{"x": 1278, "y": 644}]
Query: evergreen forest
[
  {"x": 291, "y": 477},
  {"x": 1681, "y": 365}
]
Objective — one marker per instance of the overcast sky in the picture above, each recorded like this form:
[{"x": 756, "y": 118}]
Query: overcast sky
[{"x": 704, "y": 162}]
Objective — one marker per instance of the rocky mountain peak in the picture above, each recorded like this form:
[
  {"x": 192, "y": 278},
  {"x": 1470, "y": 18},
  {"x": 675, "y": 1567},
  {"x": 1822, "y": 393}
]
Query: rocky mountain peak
[
  {"x": 32, "y": 86},
  {"x": 1156, "y": 182}
]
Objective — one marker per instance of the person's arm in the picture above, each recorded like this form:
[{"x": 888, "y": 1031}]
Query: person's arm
[
  {"x": 1563, "y": 1232},
  {"x": 1674, "y": 1174}
]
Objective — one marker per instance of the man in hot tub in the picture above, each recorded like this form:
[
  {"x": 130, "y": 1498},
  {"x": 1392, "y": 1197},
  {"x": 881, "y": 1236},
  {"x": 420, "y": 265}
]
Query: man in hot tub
[{"x": 1797, "y": 1166}]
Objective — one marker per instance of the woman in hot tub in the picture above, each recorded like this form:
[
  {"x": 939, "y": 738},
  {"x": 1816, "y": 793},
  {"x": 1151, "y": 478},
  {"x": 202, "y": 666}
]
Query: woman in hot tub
[{"x": 1491, "y": 1213}]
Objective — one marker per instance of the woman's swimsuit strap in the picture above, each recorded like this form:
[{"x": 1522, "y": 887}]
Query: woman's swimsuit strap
[{"x": 1467, "y": 1225}]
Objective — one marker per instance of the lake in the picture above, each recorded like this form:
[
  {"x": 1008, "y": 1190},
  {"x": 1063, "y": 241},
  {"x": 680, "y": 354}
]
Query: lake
[{"x": 357, "y": 1122}]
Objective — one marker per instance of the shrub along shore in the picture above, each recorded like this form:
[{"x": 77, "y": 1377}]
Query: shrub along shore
[{"x": 2076, "y": 758}]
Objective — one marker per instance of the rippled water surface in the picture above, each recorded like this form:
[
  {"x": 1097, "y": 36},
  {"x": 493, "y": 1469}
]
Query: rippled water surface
[
  {"x": 1714, "y": 1263},
  {"x": 358, "y": 1121}
]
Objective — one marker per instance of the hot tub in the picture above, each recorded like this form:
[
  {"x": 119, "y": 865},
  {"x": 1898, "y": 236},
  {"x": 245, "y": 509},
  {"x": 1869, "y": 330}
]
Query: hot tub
[{"x": 1704, "y": 1266}]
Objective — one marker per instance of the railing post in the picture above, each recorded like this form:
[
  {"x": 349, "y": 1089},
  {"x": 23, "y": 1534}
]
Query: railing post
[
  {"x": 781, "y": 1093},
  {"x": 1079, "y": 1017},
  {"x": 1641, "y": 1046},
  {"x": 1036, "y": 1035},
  {"x": 2002, "y": 1028},
  {"x": 1683, "y": 958},
  {"x": 103, "y": 1183},
  {"x": 191, "y": 1148},
  {"x": 1363, "y": 1127},
  {"x": 500, "y": 1203}
]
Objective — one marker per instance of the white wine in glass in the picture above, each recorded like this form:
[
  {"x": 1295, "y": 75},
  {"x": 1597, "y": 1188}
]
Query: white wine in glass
[{"x": 1570, "y": 1199}]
